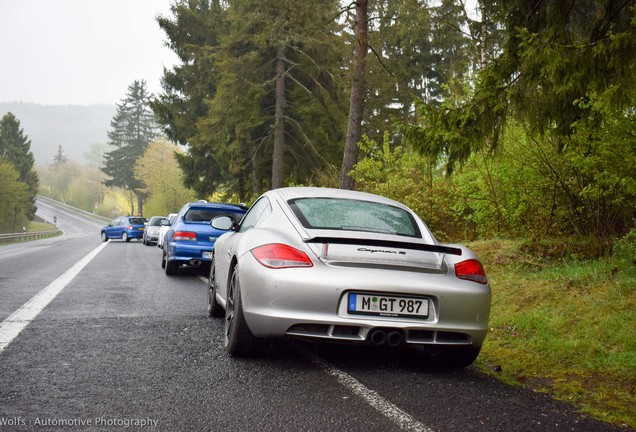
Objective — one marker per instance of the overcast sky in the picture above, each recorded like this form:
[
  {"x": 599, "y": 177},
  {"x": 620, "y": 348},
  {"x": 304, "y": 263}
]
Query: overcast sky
[{"x": 80, "y": 52}]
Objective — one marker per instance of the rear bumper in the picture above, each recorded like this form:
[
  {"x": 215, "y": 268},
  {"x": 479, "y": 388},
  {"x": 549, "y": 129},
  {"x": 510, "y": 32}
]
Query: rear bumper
[
  {"x": 311, "y": 303},
  {"x": 184, "y": 252}
]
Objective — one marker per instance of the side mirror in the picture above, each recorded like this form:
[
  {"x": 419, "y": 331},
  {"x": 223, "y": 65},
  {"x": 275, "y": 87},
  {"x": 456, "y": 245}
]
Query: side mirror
[{"x": 222, "y": 223}]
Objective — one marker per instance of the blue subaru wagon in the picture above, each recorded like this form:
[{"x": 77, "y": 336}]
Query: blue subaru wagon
[{"x": 190, "y": 239}]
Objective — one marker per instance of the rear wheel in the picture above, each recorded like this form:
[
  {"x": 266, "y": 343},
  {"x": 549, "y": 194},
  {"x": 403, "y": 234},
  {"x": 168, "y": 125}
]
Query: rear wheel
[
  {"x": 453, "y": 357},
  {"x": 239, "y": 340},
  {"x": 171, "y": 267},
  {"x": 214, "y": 308},
  {"x": 124, "y": 236}
]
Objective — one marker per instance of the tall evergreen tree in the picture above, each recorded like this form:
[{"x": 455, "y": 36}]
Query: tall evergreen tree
[
  {"x": 287, "y": 58},
  {"x": 552, "y": 57},
  {"x": 132, "y": 129},
  {"x": 358, "y": 93},
  {"x": 193, "y": 34},
  {"x": 256, "y": 76},
  {"x": 59, "y": 158},
  {"x": 15, "y": 147},
  {"x": 418, "y": 50}
]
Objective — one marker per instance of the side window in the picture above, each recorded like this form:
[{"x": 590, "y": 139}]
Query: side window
[{"x": 260, "y": 208}]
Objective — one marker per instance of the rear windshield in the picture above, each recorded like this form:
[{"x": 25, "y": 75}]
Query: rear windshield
[
  {"x": 354, "y": 215},
  {"x": 155, "y": 221},
  {"x": 137, "y": 221},
  {"x": 207, "y": 214}
]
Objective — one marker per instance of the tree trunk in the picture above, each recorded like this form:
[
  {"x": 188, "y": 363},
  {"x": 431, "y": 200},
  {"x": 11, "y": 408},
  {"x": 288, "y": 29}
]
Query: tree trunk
[
  {"x": 484, "y": 35},
  {"x": 278, "y": 165},
  {"x": 140, "y": 204},
  {"x": 356, "y": 103}
]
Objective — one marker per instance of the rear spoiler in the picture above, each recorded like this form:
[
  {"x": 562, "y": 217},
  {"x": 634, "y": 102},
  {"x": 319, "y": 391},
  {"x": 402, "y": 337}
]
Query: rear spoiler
[{"x": 386, "y": 243}]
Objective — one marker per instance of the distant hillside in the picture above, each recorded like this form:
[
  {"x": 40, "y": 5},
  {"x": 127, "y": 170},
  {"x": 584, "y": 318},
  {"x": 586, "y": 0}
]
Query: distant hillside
[{"x": 74, "y": 127}]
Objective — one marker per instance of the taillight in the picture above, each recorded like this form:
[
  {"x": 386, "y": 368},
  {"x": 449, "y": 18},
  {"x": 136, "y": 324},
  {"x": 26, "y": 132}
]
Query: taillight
[
  {"x": 277, "y": 255},
  {"x": 471, "y": 270},
  {"x": 184, "y": 235}
]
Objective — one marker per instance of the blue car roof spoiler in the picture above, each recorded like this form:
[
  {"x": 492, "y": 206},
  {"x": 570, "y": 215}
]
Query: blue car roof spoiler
[{"x": 387, "y": 243}]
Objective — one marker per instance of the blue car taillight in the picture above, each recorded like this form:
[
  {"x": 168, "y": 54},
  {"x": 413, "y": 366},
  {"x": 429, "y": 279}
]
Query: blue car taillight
[{"x": 185, "y": 235}]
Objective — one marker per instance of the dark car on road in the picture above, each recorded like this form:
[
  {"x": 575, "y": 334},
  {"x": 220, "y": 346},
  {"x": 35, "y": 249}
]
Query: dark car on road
[
  {"x": 124, "y": 228},
  {"x": 190, "y": 239}
]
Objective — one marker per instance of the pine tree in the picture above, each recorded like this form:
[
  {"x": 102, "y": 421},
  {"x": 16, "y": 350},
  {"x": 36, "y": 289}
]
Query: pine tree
[
  {"x": 358, "y": 92},
  {"x": 59, "y": 158},
  {"x": 193, "y": 34},
  {"x": 15, "y": 147},
  {"x": 132, "y": 129},
  {"x": 258, "y": 99}
]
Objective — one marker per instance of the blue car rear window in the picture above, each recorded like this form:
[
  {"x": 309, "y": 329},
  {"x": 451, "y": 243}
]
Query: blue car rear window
[
  {"x": 207, "y": 214},
  {"x": 137, "y": 221}
]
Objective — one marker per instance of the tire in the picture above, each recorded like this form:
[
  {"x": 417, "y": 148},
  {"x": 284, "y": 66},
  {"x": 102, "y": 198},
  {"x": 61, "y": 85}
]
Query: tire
[
  {"x": 171, "y": 267},
  {"x": 214, "y": 308},
  {"x": 163, "y": 260},
  {"x": 124, "y": 236},
  {"x": 104, "y": 236},
  {"x": 453, "y": 357},
  {"x": 239, "y": 340}
]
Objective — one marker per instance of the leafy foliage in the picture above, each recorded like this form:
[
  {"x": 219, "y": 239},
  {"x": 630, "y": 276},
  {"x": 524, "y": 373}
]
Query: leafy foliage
[
  {"x": 15, "y": 147},
  {"x": 15, "y": 199},
  {"x": 162, "y": 178}
]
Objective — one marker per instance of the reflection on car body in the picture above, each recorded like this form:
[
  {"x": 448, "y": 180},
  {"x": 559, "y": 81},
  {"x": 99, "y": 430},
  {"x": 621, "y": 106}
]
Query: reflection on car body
[
  {"x": 346, "y": 266},
  {"x": 163, "y": 229}
]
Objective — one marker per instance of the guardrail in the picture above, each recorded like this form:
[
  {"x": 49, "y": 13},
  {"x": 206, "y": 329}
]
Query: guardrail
[
  {"x": 75, "y": 209},
  {"x": 24, "y": 236}
]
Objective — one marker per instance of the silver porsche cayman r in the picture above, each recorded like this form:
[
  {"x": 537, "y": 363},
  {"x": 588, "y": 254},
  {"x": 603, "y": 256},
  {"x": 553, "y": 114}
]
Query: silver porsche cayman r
[{"x": 345, "y": 266}]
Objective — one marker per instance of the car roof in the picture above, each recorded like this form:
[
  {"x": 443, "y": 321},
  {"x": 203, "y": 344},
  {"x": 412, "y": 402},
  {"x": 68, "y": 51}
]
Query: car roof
[
  {"x": 222, "y": 206},
  {"x": 289, "y": 193}
]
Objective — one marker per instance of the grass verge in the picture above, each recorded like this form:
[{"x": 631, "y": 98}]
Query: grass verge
[{"x": 564, "y": 323}]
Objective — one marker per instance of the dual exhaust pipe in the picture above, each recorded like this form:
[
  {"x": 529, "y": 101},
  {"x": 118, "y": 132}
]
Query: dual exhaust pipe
[{"x": 389, "y": 337}]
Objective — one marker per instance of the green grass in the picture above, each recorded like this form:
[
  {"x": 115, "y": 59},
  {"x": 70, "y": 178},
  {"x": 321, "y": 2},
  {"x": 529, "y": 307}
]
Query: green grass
[
  {"x": 35, "y": 227},
  {"x": 563, "y": 325},
  {"x": 40, "y": 226}
]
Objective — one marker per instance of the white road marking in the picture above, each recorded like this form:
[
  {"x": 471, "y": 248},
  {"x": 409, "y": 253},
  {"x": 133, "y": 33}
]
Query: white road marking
[
  {"x": 404, "y": 420},
  {"x": 18, "y": 320}
]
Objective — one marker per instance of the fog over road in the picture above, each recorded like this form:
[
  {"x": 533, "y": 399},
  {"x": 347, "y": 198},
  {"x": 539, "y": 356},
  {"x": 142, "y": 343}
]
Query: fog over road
[{"x": 118, "y": 345}]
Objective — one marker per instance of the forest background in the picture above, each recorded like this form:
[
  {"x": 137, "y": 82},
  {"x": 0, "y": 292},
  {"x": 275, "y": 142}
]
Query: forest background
[{"x": 512, "y": 123}]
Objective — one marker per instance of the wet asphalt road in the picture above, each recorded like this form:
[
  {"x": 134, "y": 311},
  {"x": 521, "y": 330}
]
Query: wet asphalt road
[{"x": 125, "y": 347}]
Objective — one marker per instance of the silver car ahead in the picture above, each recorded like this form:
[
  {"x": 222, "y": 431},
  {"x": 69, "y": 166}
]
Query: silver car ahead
[{"x": 345, "y": 266}]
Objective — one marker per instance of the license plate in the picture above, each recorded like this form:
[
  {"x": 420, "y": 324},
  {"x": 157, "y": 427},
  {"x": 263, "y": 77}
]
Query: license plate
[
  {"x": 390, "y": 306},
  {"x": 207, "y": 255}
]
